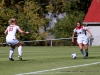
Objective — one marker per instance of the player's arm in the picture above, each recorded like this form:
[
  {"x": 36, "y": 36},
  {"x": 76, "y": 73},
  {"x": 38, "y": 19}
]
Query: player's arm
[
  {"x": 73, "y": 34},
  {"x": 5, "y": 32},
  {"x": 89, "y": 32},
  {"x": 21, "y": 31}
]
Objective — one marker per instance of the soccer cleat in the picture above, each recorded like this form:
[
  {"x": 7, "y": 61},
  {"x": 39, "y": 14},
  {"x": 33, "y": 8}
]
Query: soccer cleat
[
  {"x": 85, "y": 57},
  {"x": 20, "y": 58},
  {"x": 11, "y": 59},
  {"x": 87, "y": 54}
]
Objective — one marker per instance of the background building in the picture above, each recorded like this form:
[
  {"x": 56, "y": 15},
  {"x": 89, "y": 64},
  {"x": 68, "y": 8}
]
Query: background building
[{"x": 92, "y": 20}]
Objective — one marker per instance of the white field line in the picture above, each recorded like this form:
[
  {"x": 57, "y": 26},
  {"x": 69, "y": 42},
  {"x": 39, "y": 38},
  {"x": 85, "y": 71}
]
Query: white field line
[{"x": 38, "y": 72}]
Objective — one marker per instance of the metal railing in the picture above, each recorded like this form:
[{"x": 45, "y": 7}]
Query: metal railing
[{"x": 50, "y": 41}]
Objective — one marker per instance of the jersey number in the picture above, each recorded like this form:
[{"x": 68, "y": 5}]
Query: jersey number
[{"x": 10, "y": 29}]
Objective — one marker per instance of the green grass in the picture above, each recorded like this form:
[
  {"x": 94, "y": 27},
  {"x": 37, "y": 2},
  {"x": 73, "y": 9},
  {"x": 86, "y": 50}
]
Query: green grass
[{"x": 47, "y": 58}]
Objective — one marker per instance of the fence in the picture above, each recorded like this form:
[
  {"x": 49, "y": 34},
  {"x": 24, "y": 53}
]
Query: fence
[
  {"x": 53, "y": 42},
  {"x": 50, "y": 42}
]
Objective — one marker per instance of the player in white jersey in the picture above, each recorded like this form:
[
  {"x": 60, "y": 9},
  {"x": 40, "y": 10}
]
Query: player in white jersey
[
  {"x": 81, "y": 38},
  {"x": 11, "y": 38}
]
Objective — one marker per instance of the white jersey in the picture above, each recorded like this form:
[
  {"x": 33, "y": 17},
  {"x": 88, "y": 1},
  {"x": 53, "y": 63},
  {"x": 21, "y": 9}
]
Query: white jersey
[
  {"x": 11, "y": 36},
  {"x": 80, "y": 31},
  {"x": 12, "y": 29},
  {"x": 81, "y": 36}
]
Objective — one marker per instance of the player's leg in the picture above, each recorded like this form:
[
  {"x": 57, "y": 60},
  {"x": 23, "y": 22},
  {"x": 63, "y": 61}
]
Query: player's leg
[
  {"x": 17, "y": 43},
  {"x": 86, "y": 49},
  {"x": 80, "y": 44},
  {"x": 10, "y": 42},
  {"x": 11, "y": 52},
  {"x": 81, "y": 49},
  {"x": 85, "y": 42},
  {"x": 19, "y": 50}
]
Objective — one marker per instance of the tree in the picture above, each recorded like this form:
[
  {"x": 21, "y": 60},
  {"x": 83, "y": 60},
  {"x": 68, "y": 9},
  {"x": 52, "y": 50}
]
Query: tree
[
  {"x": 77, "y": 5},
  {"x": 30, "y": 15},
  {"x": 65, "y": 26},
  {"x": 33, "y": 20},
  {"x": 7, "y": 13}
]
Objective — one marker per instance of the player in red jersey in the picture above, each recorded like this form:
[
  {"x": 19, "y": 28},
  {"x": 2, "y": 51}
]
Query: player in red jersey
[{"x": 82, "y": 39}]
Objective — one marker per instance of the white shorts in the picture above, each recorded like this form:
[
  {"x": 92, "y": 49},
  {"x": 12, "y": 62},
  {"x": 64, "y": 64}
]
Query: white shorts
[
  {"x": 11, "y": 41},
  {"x": 83, "y": 40}
]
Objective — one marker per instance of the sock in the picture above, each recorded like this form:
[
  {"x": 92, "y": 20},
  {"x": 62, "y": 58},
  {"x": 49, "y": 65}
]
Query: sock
[
  {"x": 86, "y": 51},
  {"x": 11, "y": 53},
  {"x": 20, "y": 51},
  {"x": 82, "y": 51}
]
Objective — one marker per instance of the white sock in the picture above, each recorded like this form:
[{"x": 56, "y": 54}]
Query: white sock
[
  {"x": 20, "y": 51},
  {"x": 11, "y": 53}
]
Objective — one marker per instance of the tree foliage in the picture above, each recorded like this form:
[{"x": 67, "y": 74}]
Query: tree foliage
[
  {"x": 30, "y": 16},
  {"x": 65, "y": 26},
  {"x": 76, "y": 10}
]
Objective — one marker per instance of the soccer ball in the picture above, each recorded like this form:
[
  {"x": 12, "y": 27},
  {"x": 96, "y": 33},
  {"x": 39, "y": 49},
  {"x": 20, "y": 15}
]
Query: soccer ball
[{"x": 74, "y": 56}]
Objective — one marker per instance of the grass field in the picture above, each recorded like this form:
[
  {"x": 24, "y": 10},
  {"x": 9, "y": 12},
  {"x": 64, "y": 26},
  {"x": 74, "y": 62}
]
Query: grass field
[{"x": 50, "y": 61}]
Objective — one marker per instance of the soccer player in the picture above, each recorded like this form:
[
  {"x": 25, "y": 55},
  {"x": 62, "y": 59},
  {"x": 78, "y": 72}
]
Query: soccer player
[
  {"x": 11, "y": 39},
  {"x": 81, "y": 38}
]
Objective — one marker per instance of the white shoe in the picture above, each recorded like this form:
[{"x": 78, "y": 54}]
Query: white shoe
[{"x": 20, "y": 58}]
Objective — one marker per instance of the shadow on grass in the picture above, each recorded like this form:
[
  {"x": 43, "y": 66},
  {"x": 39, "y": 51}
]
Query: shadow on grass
[
  {"x": 59, "y": 59},
  {"x": 91, "y": 57},
  {"x": 25, "y": 60},
  {"x": 94, "y": 57}
]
